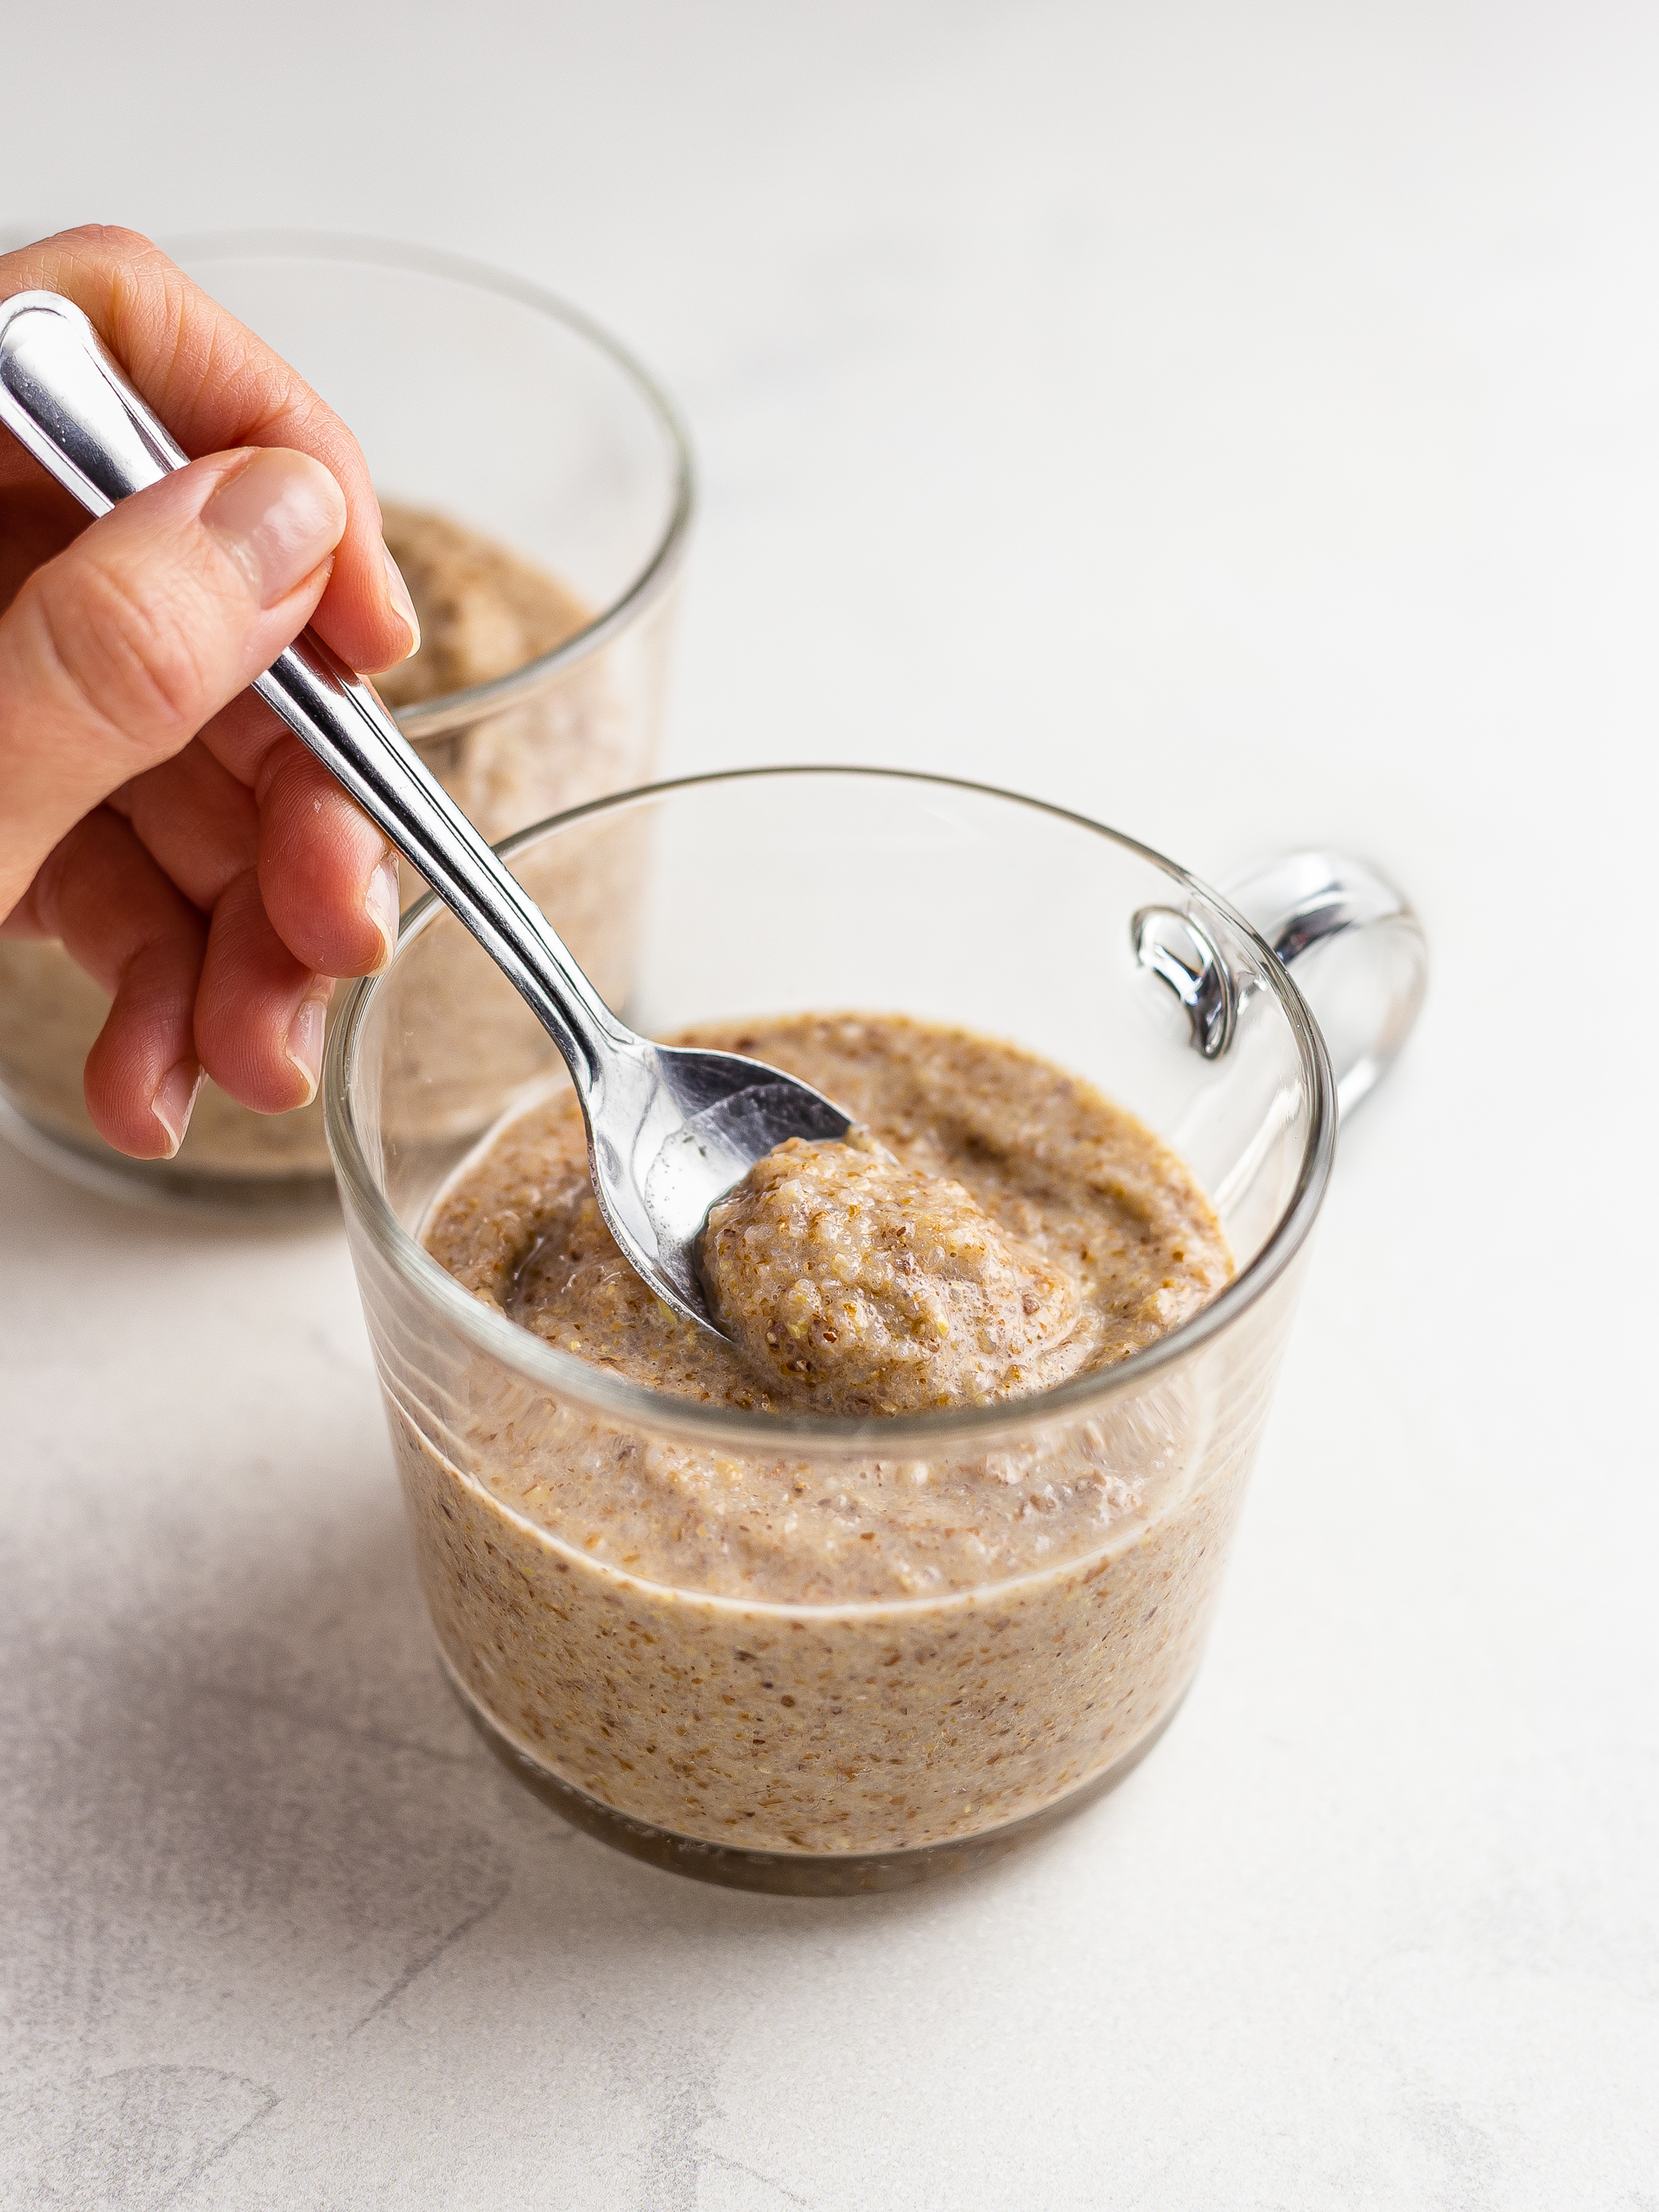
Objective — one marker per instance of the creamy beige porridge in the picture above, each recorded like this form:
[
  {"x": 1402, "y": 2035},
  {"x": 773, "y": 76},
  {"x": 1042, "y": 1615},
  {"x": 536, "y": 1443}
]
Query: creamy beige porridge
[
  {"x": 484, "y": 613},
  {"x": 728, "y": 1642},
  {"x": 851, "y": 1284}
]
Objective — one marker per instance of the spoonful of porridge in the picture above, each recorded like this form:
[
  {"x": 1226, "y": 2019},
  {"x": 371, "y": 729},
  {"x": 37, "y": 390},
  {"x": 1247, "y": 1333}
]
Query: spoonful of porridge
[{"x": 670, "y": 1130}]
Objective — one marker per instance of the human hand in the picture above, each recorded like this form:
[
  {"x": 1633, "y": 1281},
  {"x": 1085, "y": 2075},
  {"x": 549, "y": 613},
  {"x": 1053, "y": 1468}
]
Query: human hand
[{"x": 154, "y": 815}]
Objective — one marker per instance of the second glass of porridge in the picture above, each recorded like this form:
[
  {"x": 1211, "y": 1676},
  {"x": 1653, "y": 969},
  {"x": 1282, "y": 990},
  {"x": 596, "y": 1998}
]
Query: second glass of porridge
[
  {"x": 536, "y": 490},
  {"x": 923, "y": 1560}
]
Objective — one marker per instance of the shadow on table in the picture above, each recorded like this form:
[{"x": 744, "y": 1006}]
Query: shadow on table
[{"x": 266, "y": 1827}]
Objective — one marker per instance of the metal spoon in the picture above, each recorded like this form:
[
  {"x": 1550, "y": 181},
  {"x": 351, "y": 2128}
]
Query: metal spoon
[{"x": 669, "y": 1130}]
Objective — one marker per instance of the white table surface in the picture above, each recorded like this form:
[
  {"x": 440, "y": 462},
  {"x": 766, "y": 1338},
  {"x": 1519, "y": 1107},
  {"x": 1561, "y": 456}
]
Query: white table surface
[{"x": 1238, "y": 423}]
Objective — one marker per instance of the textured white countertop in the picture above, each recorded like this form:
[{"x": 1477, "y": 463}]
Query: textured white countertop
[{"x": 1240, "y": 423}]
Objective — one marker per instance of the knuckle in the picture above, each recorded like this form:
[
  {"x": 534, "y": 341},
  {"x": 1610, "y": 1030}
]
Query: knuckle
[
  {"x": 129, "y": 662},
  {"x": 108, "y": 241},
  {"x": 114, "y": 273}
]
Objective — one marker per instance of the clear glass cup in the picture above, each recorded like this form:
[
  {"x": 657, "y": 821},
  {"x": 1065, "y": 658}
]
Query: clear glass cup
[
  {"x": 826, "y": 1748},
  {"x": 486, "y": 402}
]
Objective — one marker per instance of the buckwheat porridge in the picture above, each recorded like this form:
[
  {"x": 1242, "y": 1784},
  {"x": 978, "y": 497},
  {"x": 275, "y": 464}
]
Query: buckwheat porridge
[
  {"x": 933, "y": 1641},
  {"x": 484, "y": 613}
]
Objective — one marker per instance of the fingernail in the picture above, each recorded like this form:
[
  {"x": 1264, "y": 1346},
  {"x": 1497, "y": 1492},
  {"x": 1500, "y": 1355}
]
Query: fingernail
[
  {"x": 402, "y": 603},
  {"x": 305, "y": 1044},
  {"x": 174, "y": 1096},
  {"x": 383, "y": 904},
  {"x": 277, "y": 518}
]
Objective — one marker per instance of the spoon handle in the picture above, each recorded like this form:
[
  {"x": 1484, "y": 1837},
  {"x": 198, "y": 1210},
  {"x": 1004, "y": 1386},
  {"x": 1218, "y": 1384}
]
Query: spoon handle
[{"x": 67, "y": 402}]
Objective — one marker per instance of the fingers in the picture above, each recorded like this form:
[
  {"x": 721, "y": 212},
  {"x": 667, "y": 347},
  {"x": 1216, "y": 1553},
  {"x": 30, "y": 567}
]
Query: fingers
[
  {"x": 328, "y": 877},
  {"x": 335, "y": 911},
  {"x": 249, "y": 795},
  {"x": 139, "y": 937},
  {"x": 216, "y": 385},
  {"x": 114, "y": 654},
  {"x": 125, "y": 891},
  {"x": 194, "y": 817},
  {"x": 259, "y": 1011},
  {"x": 227, "y": 997}
]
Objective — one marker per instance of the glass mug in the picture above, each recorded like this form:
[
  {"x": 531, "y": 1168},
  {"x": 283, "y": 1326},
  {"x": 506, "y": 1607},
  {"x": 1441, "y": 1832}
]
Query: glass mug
[
  {"x": 825, "y": 1748},
  {"x": 490, "y": 404}
]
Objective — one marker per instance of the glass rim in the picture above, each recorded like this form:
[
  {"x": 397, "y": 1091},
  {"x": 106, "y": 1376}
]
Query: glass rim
[
  {"x": 896, "y": 1436},
  {"x": 429, "y": 718}
]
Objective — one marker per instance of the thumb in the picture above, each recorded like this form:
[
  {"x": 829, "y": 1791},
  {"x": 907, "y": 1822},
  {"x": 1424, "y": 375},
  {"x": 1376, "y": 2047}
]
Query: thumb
[{"x": 113, "y": 655}]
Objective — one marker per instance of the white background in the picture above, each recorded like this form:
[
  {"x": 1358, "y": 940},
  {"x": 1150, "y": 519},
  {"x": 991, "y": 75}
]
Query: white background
[{"x": 1239, "y": 423}]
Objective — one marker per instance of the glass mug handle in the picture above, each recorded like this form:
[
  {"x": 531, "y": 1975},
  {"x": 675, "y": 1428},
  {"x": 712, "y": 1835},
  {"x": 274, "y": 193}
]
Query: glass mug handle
[{"x": 1352, "y": 940}]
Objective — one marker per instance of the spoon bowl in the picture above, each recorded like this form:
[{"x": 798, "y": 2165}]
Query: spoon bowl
[{"x": 671, "y": 1130}]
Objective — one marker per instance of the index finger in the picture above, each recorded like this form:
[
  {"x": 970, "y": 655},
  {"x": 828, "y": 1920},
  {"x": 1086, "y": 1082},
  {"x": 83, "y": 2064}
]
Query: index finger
[{"x": 217, "y": 385}]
